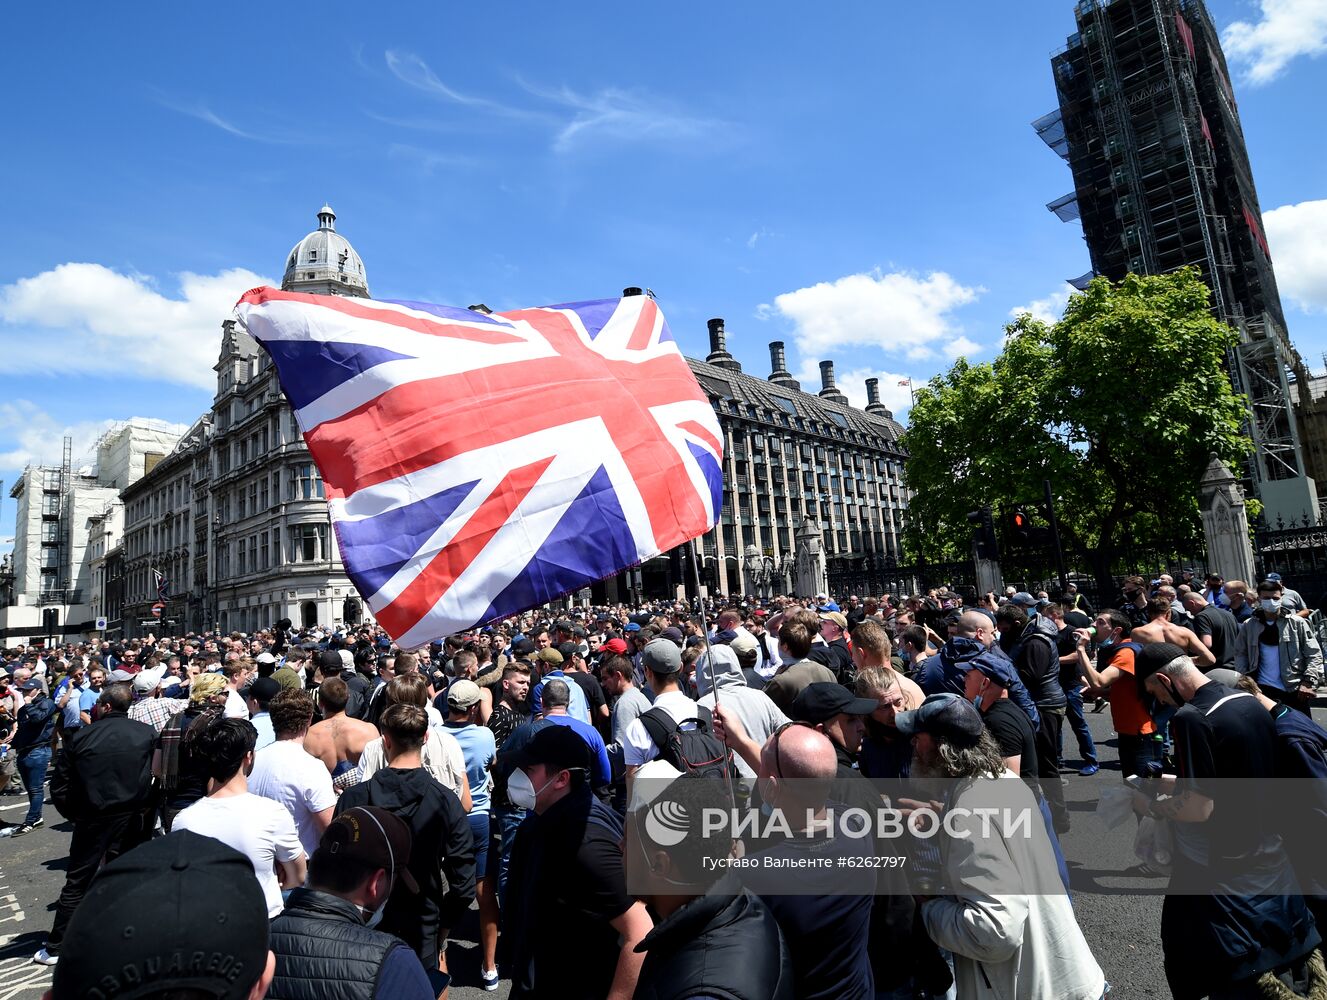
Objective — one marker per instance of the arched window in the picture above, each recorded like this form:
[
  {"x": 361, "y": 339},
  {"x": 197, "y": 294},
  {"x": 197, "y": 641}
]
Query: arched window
[{"x": 308, "y": 612}]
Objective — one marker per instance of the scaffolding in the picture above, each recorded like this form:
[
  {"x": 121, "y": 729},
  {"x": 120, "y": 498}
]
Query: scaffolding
[{"x": 1147, "y": 121}]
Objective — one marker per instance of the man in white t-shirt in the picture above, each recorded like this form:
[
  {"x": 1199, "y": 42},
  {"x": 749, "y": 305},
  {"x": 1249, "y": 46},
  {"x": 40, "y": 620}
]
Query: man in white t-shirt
[
  {"x": 662, "y": 662},
  {"x": 287, "y": 773},
  {"x": 237, "y": 674},
  {"x": 258, "y": 828}
]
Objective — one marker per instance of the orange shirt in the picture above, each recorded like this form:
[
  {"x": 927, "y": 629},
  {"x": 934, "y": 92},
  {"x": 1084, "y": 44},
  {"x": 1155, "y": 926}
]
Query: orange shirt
[{"x": 1127, "y": 711}]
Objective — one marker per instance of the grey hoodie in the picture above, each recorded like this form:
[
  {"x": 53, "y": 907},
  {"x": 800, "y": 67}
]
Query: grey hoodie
[{"x": 758, "y": 714}]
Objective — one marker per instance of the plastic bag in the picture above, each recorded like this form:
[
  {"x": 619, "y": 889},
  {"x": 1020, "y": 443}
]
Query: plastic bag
[
  {"x": 1154, "y": 843},
  {"x": 1115, "y": 806}
]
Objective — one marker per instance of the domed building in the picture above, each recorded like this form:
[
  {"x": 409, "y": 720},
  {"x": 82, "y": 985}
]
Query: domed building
[{"x": 325, "y": 263}]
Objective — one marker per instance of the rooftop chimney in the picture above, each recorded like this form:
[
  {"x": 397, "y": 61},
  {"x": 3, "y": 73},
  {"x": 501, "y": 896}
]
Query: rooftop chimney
[
  {"x": 778, "y": 363},
  {"x": 873, "y": 404},
  {"x": 630, "y": 291},
  {"x": 827, "y": 388},
  {"x": 719, "y": 347}
]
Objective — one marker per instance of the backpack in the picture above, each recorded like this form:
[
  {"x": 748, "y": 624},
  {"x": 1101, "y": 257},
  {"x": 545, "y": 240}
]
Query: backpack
[{"x": 689, "y": 745}]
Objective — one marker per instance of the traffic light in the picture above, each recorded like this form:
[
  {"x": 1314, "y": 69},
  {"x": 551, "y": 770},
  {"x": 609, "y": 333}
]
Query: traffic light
[
  {"x": 983, "y": 533},
  {"x": 1020, "y": 525}
]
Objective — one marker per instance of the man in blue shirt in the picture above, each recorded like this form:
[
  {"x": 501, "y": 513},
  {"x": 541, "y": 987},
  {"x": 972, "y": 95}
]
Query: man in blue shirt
[
  {"x": 68, "y": 697},
  {"x": 88, "y": 699},
  {"x": 558, "y": 692},
  {"x": 550, "y": 661}
]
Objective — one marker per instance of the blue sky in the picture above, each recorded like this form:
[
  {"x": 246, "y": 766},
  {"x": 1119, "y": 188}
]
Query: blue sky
[{"x": 859, "y": 180}]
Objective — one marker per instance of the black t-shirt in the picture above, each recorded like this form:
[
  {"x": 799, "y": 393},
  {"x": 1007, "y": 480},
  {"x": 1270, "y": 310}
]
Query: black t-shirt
[
  {"x": 1012, "y": 731},
  {"x": 594, "y": 697},
  {"x": 1220, "y": 624},
  {"x": 1235, "y": 741},
  {"x": 568, "y": 881}
]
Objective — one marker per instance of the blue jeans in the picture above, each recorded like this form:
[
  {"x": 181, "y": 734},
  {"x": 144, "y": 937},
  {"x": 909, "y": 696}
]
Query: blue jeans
[
  {"x": 1074, "y": 709},
  {"x": 504, "y": 821},
  {"x": 32, "y": 765}
]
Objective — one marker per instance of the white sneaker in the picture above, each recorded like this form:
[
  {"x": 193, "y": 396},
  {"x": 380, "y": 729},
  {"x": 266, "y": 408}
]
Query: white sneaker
[
  {"x": 490, "y": 979},
  {"x": 44, "y": 957}
]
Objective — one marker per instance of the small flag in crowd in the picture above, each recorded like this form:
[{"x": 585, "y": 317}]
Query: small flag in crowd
[{"x": 478, "y": 465}]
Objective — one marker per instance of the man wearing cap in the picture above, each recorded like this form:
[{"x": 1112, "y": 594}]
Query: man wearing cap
[
  {"x": 551, "y": 661},
  {"x": 714, "y": 937},
  {"x": 149, "y": 707},
  {"x": 1233, "y": 910},
  {"x": 102, "y": 784},
  {"x": 257, "y": 698},
  {"x": 1004, "y": 913},
  {"x": 479, "y": 749},
  {"x": 835, "y": 653},
  {"x": 1290, "y": 598},
  {"x": 574, "y": 927},
  {"x": 662, "y": 662},
  {"x": 173, "y": 899},
  {"x": 32, "y": 748},
  {"x": 326, "y": 934},
  {"x": 286, "y": 773}
]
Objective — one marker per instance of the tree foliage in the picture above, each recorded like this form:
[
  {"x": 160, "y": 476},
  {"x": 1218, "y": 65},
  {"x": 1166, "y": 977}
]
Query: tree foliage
[{"x": 1120, "y": 404}]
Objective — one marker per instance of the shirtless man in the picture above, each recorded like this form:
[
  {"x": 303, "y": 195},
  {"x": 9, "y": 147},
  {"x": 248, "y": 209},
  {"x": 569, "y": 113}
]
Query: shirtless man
[
  {"x": 1160, "y": 629},
  {"x": 338, "y": 740}
]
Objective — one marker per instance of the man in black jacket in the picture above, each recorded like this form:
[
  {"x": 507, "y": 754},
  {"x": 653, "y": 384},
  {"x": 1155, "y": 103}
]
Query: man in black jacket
[
  {"x": 326, "y": 932},
  {"x": 1032, "y": 643},
  {"x": 713, "y": 937},
  {"x": 103, "y": 785},
  {"x": 32, "y": 749},
  {"x": 443, "y": 856},
  {"x": 835, "y": 654}
]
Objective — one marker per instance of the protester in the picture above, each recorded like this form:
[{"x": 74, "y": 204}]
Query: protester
[
  {"x": 1215, "y": 627},
  {"x": 1233, "y": 916},
  {"x": 286, "y": 773},
  {"x": 1004, "y": 913},
  {"x": 719, "y": 676},
  {"x": 442, "y": 755},
  {"x": 798, "y": 671},
  {"x": 567, "y": 882},
  {"x": 712, "y": 937},
  {"x": 32, "y": 749},
  {"x": 258, "y": 828},
  {"x": 338, "y": 740},
  {"x": 103, "y": 785},
  {"x": 443, "y": 853},
  {"x": 1278, "y": 648},
  {"x": 237, "y": 673},
  {"x": 150, "y": 705},
  {"x": 557, "y": 698},
  {"x": 327, "y": 932},
  {"x": 172, "y": 899}
]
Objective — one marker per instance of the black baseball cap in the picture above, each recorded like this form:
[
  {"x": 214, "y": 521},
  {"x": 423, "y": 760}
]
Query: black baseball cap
[
  {"x": 264, "y": 689},
  {"x": 371, "y": 837},
  {"x": 821, "y": 701},
  {"x": 945, "y": 715},
  {"x": 182, "y": 912},
  {"x": 555, "y": 745}
]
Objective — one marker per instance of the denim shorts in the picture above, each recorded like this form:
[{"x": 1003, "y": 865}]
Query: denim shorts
[{"x": 479, "y": 831}]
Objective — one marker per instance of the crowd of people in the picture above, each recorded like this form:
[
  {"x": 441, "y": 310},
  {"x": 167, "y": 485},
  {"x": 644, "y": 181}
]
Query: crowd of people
[{"x": 268, "y": 814}]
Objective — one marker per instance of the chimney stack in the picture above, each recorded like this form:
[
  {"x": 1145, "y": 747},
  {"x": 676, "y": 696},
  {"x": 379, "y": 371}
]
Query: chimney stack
[
  {"x": 719, "y": 347},
  {"x": 778, "y": 364},
  {"x": 873, "y": 404},
  {"x": 631, "y": 290},
  {"x": 827, "y": 388}
]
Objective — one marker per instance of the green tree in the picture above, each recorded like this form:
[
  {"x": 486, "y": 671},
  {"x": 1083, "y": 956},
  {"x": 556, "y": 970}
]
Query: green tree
[{"x": 1120, "y": 404}]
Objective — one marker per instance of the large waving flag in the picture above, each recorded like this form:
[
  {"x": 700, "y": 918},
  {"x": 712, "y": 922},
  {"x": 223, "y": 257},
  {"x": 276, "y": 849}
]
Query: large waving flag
[{"x": 478, "y": 465}]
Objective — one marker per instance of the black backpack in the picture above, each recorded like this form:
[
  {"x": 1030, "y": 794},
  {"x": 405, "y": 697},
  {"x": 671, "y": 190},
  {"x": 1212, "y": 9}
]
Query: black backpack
[{"x": 689, "y": 745}]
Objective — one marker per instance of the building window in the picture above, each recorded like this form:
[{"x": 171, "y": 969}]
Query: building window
[
  {"x": 264, "y": 555},
  {"x": 262, "y": 495},
  {"x": 308, "y": 542},
  {"x": 305, "y": 482}
]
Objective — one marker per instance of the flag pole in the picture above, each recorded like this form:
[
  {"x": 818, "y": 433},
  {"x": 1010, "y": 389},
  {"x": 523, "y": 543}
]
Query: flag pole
[{"x": 709, "y": 656}]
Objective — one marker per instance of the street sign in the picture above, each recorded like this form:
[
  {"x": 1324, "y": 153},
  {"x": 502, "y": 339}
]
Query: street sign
[
  {"x": 101, "y": 624},
  {"x": 158, "y": 608}
]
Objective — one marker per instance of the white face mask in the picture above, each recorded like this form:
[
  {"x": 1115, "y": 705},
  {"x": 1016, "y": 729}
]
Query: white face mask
[
  {"x": 375, "y": 918},
  {"x": 521, "y": 790},
  {"x": 1269, "y": 606}
]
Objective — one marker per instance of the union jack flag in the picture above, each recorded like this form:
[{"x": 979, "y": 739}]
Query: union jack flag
[
  {"x": 163, "y": 585},
  {"x": 479, "y": 465}
]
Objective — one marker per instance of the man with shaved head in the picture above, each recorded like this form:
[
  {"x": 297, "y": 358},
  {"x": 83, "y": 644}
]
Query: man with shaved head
[{"x": 827, "y": 926}]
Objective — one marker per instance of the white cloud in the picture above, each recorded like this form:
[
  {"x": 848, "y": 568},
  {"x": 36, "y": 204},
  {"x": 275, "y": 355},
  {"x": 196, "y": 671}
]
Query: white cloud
[
  {"x": 413, "y": 71},
  {"x": 31, "y": 435},
  {"x": 1048, "y": 310},
  {"x": 1286, "y": 30},
  {"x": 760, "y": 234},
  {"x": 88, "y": 318},
  {"x": 961, "y": 347},
  {"x": 897, "y": 312},
  {"x": 1297, "y": 236}
]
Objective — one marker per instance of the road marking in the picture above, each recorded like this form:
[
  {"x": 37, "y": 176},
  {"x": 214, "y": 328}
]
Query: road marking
[{"x": 21, "y": 975}]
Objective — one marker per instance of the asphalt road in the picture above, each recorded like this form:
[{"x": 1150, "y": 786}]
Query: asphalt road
[{"x": 1118, "y": 907}]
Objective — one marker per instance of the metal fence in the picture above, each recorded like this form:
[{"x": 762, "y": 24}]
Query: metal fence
[{"x": 1298, "y": 551}]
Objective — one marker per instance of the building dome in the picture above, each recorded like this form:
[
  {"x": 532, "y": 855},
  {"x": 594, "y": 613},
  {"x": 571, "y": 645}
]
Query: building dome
[{"x": 325, "y": 263}]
